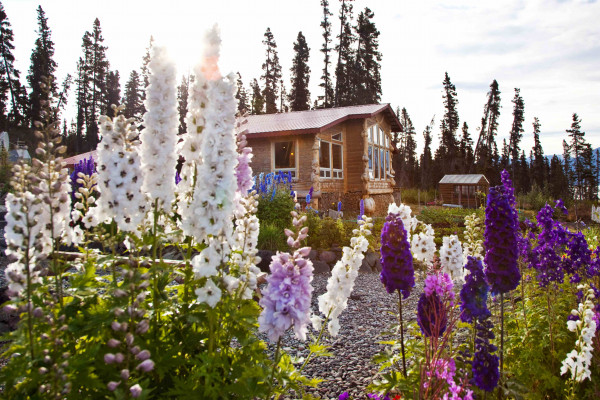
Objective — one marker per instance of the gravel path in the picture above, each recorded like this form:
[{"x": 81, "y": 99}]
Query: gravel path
[{"x": 368, "y": 314}]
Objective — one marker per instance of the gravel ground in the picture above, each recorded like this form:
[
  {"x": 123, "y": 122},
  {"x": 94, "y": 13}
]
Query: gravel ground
[{"x": 368, "y": 314}]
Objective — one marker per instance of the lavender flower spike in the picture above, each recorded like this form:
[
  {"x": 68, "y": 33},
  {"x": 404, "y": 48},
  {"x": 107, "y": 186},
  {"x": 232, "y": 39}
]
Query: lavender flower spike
[
  {"x": 501, "y": 241},
  {"x": 473, "y": 295},
  {"x": 397, "y": 272}
]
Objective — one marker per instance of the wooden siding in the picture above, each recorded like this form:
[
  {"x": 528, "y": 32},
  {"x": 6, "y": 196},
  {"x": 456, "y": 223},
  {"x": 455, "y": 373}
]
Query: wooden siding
[{"x": 449, "y": 195}]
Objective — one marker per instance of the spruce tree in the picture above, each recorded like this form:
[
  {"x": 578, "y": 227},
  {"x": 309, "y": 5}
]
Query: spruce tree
[
  {"x": 42, "y": 65},
  {"x": 465, "y": 149},
  {"x": 300, "y": 75},
  {"x": 283, "y": 98},
  {"x": 579, "y": 151},
  {"x": 145, "y": 75},
  {"x": 486, "y": 142},
  {"x": 113, "y": 93},
  {"x": 10, "y": 85},
  {"x": 63, "y": 96},
  {"x": 558, "y": 182},
  {"x": 427, "y": 159},
  {"x": 132, "y": 98},
  {"x": 344, "y": 71},
  {"x": 538, "y": 175},
  {"x": 367, "y": 82},
  {"x": 446, "y": 154},
  {"x": 241, "y": 96},
  {"x": 272, "y": 73},
  {"x": 516, "y": 131},
  {"x": 327, "y": 100},
  {"x": 98, "y": 69},
  {"x": 405, "y": 160},
  {"x": 258, "y": 101}
]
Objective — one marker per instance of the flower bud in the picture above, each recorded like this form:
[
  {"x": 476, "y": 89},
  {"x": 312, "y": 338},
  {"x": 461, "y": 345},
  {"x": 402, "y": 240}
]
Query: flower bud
[
  {"x": 125, "y": 374},
  {"x": 42, "y": 370},
  {"x": 38, "y": 312},
  {"x": 143, "y": 326},
  {"x": 119, "y": 357},
  {"x": 113, "y": 343},
  {"x": 129, "y": 339},
  {"x": 112, "y": 385},
  {"x": 146, "y": 366},
  {"x": 135, "y": 349},
  {"x": 143, "y": 355},
  {"x": 115, "y": 326},
  {"x": 109, "y": 358},
  {"x": 136, "y": 391}
]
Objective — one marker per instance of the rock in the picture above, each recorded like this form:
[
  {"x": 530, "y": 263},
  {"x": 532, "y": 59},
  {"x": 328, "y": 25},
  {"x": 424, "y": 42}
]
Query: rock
[
  {"x": 321, "y": 267},
  {"x": 371, "y": 263},
  {"x": 328, "y": 256},
  {"x": 313, "y": 255}
]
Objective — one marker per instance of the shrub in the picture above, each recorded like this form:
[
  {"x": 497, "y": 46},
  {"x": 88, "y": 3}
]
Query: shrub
[{"x": 417, "y": 196}]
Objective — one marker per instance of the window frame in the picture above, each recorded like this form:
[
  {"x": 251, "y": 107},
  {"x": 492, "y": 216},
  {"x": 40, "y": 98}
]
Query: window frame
[
  {"x": 293, "y": 170},
  {"x": 329, "y": 172},
  {"x": 379, "y": 151}
]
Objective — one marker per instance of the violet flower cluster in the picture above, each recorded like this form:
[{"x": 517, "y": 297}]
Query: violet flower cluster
[
  {"x": 286, "y": 299},
  {"x": 397, "y": 272},
  {"x": 474, "y": 293},
  {"x": 501, "y": 241},
  {"x": 437, "y": 296},
  {"x": 86, "y": 167},
  {"x": 485, "y": 364}
]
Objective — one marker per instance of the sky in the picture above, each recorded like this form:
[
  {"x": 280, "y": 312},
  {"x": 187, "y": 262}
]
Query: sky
[{"x": 550, "y": 49}]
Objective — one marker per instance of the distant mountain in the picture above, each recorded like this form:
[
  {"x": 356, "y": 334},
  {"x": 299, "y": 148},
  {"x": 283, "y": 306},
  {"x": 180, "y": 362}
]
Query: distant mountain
[{"x": 560, "y": 156}]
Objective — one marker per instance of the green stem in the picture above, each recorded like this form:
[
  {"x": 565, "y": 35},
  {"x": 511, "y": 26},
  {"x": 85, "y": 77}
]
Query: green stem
[
  {"x": 316, "y": 342},
  {"x": 155, "y": 266},
  {"x": 400, "y": 319},
  {"x": 29, "y": 304},
  {"x": 188, "y": 274},
  {"x": 500, "y": 393},
  {"x": 275, "y": 363}
]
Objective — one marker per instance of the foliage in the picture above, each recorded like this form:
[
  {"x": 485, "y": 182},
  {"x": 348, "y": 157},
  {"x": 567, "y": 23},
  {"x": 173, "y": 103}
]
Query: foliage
[
  {"x": 275, "y": 200},
  {"x": 417, "y": 196},
  {"x": 271, "y": 237}
]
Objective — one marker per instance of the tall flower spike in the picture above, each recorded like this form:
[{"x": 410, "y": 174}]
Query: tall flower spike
[
  {"x": 341, "y": 282},
  {"x": 209, "y": 211},
  {"x": 501, "y": 242},
  {"x": 159, "y": 136},
  {"x": 120, "y": 174},
  {"x": 397, "y": 272},
  {"x": 451, "y": 256},
  {"x": 473, "y": 295}
]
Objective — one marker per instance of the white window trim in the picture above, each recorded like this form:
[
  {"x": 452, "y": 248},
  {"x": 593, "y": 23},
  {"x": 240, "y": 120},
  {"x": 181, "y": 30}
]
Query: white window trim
[
  {"x": 296, "y": 159},
  {"x": 334, "y": 173},
  {"x": 373, "y": 137}
]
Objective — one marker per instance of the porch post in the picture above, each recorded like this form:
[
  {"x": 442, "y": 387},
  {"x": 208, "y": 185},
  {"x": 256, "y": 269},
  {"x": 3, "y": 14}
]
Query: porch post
[{"x": 315, "y": 175}]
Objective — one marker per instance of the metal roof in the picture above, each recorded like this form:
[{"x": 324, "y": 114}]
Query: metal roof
[
  {"x": 314, "y": 121},
  {"x": 468, "y": 179}
]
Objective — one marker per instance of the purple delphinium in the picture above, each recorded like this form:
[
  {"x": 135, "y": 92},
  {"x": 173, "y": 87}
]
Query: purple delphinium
[
  {"x": 578, "y": 260},
  {"x": 310, "y": 191},
  {"x": 485, "y": 364},
  {"x": 431, "y": 315},
  {"x": 177, "y": 177},
  {"x": 286, "y": 299},
  {"x": 501, "y": 242},
  {"x": 397, "y": 272},
  {"x": 473, "y": 295},
  {"x": 361, "y": 211},
  {"x": 87, "y": 167},
  {"x": 339, "y": 206},
  {"x": 344, "y": 396}
]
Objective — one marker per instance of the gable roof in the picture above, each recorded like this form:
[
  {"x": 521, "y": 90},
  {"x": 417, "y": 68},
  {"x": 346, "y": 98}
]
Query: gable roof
[
  {"x": 467, "y": 179},
  {"x": 314, "y": 121},
  {"x": 71, "y": 161}
]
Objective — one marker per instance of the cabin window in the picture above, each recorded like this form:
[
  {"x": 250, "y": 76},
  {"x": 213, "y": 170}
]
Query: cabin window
[
  {"x": 284, "y": 155},
  {"x": 331, "y": 161},
  {"x": 379, "y": 153}
]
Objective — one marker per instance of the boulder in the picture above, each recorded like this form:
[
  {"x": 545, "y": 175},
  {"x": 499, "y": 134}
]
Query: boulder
[
  {"x": 328, "y": 256},
  {"x": 321, "y": 267}
]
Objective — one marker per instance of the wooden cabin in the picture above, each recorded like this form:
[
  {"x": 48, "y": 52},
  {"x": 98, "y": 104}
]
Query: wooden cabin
[
  {"x": 344, "y": 154},
  {"x": 462, "y": 189}
]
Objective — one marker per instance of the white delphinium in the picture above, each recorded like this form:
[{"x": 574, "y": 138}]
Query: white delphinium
[
  {"x": 159, "y": 136},
  {"x": 451, "y": 257},
  {"x": 84, "y": 200},
  {"x": 210, "y": 293},
  {"x": 579, "y": 360},
  {"x": 24, "y": 219},
  {"x": 119, "y": 174},
  {"x": 410, "y": 223},
  {"x": 245, "y": 240},
  {"x": 209, "y": 207},
  {"x": 423, "y": 245},
  {"x": 473, "y": 245},
  {"x": 339, "y": 286}
]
